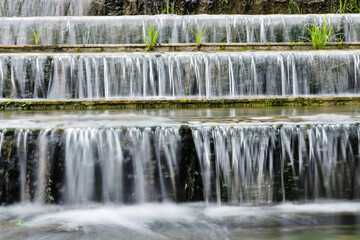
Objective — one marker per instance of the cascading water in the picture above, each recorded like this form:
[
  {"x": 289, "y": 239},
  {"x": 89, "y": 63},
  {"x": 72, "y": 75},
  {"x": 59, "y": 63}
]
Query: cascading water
[
  {"x": 125, "y": 166},
  {"x": 120, "y": 174},
  {"x": 107, "y": 165},
  {"x": 263, "y": 164},
  {"x": 24, "y": 8},
  {"x": 174, "y": 75},
  {"x": 94, "y": 174},
  {"x": 22, "y": 152},
  {"x": 127, "y": 29}
]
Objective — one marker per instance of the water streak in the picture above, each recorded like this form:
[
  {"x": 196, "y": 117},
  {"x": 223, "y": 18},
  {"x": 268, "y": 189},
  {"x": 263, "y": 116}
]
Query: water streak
[
  {"x": 256, "y": 164},
  {"x": 174, "y": 75},
  {"x": 25, "y": 8},
  {"x": 22, "y": 152},
  {"x": 259, "y": 164},
  {"x": 127, "y": 29},
  {"x": 113, "y": 165}
]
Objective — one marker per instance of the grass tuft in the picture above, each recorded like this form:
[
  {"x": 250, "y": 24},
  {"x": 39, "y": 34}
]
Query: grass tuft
[
  {"x": 36, "y": 36},
  {"x": 170, "y": 9},
  {"x": 348, "y": 7},
  {"x": 151, "y": 37},
  {"x": 199, "y": 35},
  {"x": 320, "y": 35},
  {"x": 294, "y": 5}
]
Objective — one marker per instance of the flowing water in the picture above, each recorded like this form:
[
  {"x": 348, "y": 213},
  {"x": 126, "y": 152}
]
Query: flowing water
[
  {"x": 247, "y": 170},
  {"x": 173, "y": 28},
  {"x": 24, "y": 8},
  {"x": 176, "y": 75},
  {"x": 249, "y": 164},
  {"x": 335, "y": 220},
  {"x": 229, "y": 173}
]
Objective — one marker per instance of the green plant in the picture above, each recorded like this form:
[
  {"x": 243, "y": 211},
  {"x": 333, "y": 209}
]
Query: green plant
[
  {"x": 320, "y": 35},
  {"x": 9, "y": 98},
  {"x": 185, "y": 96},
  {"x": 341, "y": 40},
  {"x": 151, "y": 38},
  {"x": 199, "y": 35},
  {"x": 294, "y": 5},
  {"x": 170, "y": 9},
  {"x": 291, "y": 44},
  {"x": 21, "y": 223},
  {"x": 348, "y": 7},
  {"x": 342, "y": 6},
  {"x": 354, "y": 7},
  {"x": 244, "y": 48},
  {"x": 36, "y": 36}
]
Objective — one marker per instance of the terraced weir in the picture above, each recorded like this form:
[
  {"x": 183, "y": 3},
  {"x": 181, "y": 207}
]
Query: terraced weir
[
  {"x": 176, "y": 75},
  {"x": 128, "y": 29},
  {"x": 24, "y": 8},
  {"x": 79, "y": 167},
  {"x": 253, "y": 133}
]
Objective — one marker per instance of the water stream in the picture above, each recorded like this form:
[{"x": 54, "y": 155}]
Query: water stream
[
  {"x": 176, "y": 75},
  {"x": 258, "y": 163},
  {"x": 250, "y": 164},
  {"x": 142, "y": 167},
  {"x": 227, "y": 173},
  {"x": 24, "y": 8},
  {"x": 128, "y": 29},
  {"x": 293, "y": 167}
]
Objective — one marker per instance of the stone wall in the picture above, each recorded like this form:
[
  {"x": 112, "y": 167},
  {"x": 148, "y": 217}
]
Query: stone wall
[{"x": 184, "y": 7}]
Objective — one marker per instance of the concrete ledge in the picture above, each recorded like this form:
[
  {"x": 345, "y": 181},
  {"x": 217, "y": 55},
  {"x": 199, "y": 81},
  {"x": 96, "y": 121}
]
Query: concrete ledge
[
  {"x": 178, "y": 103},
  {"x": 205, "y": 47}
]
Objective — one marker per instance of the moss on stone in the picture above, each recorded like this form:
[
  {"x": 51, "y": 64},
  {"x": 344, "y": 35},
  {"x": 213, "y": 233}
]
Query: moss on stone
[{"x": 179, "y": 103}]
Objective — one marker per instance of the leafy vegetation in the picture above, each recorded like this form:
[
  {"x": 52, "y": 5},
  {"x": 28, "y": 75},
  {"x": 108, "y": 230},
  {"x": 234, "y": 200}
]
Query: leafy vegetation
[
  {"x": 8, "y": 99},
  {"x": 294, "y": 7},
  {"x": 21, "y": 223},
  {"x": 346, "y": 6},
  {"x": 320, "y": 35},
  {"x": 36, "y": 36},
  {"x": 199, "y": 34},
  {"x": 340, "y": 40},
  {"x": 151, "y": 37},
  {"x": 170, "y": 9}
]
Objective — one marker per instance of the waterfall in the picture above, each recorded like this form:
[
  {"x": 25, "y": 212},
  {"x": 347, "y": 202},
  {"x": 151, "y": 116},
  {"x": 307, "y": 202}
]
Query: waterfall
[
  {"x": 174, "y": 75},
  {"x": 22, "y": 152},
  {"x": 114, "y": 165},
  {"x": 264, "y": 164},
  {"x": 258, "y": 164},
  {"x": 127, "y": 29},
  {"x": 24, "y": 8}
]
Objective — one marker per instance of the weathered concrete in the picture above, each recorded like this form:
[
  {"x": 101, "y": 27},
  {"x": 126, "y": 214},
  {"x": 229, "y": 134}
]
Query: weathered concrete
[
  {"x": 178, "y": 103},
  {"x": 184, "y": 7},
  {"x": 185, "y": 47}
]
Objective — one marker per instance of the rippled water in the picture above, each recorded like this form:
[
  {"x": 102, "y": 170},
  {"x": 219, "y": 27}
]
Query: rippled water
[
  {"x": 335, "y": 220},
  {"x": 171, "y": 117}
]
